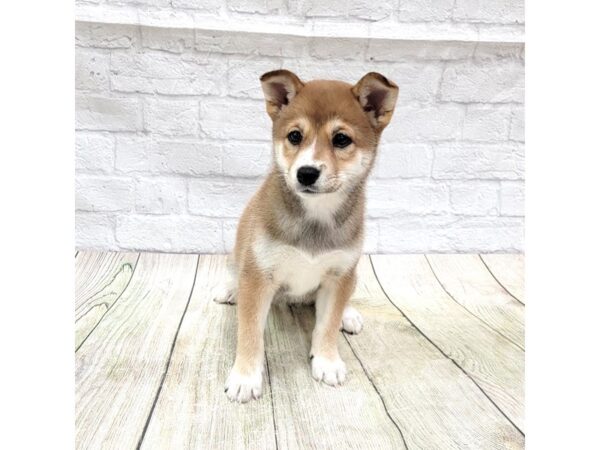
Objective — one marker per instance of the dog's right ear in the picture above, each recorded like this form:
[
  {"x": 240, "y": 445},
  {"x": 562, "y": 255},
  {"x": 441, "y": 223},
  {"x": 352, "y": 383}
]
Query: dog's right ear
[{"x": 280, "y": 87}]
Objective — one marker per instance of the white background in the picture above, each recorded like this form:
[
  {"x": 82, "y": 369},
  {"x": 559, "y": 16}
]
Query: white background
[
  {"x": 36, "y": 324},
  {"x": 172, "y": 135}
]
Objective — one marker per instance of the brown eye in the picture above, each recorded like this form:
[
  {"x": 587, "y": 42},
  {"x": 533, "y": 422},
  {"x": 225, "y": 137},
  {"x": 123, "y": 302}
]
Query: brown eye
[
  {"x": 341, "y": 140},
  {"x": 295, "y": 137}
]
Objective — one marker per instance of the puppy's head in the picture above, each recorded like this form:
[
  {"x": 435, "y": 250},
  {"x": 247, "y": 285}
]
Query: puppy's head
[{"x": 325, "y": 133}]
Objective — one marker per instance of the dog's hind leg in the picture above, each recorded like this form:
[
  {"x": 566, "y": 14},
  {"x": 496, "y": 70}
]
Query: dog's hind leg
[
  {"x": 226, "y": 292},
  {"x": 352, "y": 320}
]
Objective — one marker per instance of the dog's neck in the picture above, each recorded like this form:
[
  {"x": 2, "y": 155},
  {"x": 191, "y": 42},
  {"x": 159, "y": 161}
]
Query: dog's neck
[{"x": 316, "y": 222}]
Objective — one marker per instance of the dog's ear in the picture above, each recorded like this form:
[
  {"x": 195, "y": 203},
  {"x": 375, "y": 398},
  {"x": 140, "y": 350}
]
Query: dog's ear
[
  {"x": 377, "y": 95},
  {"x": 280, "y": 87}
]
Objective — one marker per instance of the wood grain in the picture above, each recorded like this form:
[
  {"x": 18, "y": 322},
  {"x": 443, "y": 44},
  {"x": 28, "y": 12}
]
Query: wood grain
[
  {"x": 509, "y": 270},
  {"x": 192, "y": 410},
  {"x": 469, "y": 282},
  {"x": 493, "y": 362},
  {"x": 119, "y": 368},
  {"x": 152, "y": 371},
  {"x": 100, "y": 278},
  {"x": 313, "y": 415},
  {"x": 435, "y": 403}
]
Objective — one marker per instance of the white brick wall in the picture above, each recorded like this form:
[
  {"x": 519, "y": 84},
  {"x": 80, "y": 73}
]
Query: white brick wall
[{"x": 172, "y": 135}]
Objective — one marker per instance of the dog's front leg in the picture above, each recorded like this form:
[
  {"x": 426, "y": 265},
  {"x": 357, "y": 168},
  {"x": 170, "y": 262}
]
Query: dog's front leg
[
  {"x": 332, "y": 297},
  {"x": 255, "y": 295}
]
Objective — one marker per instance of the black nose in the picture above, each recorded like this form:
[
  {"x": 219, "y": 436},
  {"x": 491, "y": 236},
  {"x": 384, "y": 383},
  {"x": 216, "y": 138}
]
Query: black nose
[{"x": 307, "y": 175}]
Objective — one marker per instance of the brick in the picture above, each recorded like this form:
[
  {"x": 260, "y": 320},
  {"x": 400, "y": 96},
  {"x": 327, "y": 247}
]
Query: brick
[
  {"x": 133, "y": 154},
  {"x": 234, "y": 119},
  {"x": 94, "y": 152},
  {"x": 171, "y": 117},
  {"x": 472, "y": 235},
  {"x": 105, "y": 35},
  {"x": 255, "y": 6},
  {"x": 167, "y": 157},
  {"x": 94, "y": 231},
  {"x": 425, "y": 10},
  {"x": 425, "y": 234},
  {"x": 95, "y": 112},
  {"x": 91, "y": 70},
  {"x": 398, "y": 160},
  {"x": 451, "y": 124},
  {"x": 414, "y": 234},
  {"x": 167, "y": 39},
  {"x": 333, "y": 48},
  {"x": 491, "y": 50},
  {"x": 517, "y": 126},
  {"x": 512, "y": 198},
  {"x": 160, "y": 195},
  {"x": 392, "y": 198},
  {"x": 490, "y": 11},
  {"x": 390, "y": 50},
  {"x": 482, "y": 161},
  {"x": 500, "y": 32},
  {"x": 205, "y": 6},
  {"x": 416, "y": 82},
  {"x": 243, "y": 76},
  {"x": 362, "y": 9},
  {"x": 246, "y": 159},
  {"x": 248, "y": 43},
  {"x": 169, "y": 233},
  {"x": 425, "y": 123},
  {"x": 215, "y": 198},
  {"x": 349, "y": 72},
  {"x": 475, "y": 198},
  {"x": 490, "y": 83},
  {"x": 487, "y": 123},
  {"x": 169, "y": 74},
  {"x": 202, "y": 158},
  {"x": 142, "y": 2},
  {"x": 103, "y": 193}
]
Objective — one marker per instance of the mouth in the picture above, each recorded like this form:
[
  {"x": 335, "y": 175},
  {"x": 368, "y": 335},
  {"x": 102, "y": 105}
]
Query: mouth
[
  {"x": 315, "y": 191},
  {"x": 309, "y": 191}
]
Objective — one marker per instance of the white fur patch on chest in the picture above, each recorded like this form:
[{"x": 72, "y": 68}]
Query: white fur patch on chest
[{"x": 301, "y": 272}]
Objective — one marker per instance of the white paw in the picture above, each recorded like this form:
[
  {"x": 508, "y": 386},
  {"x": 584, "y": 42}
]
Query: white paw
[
  {"x": 331, "y": 372},
  {"x": 242, "y": 388},
  {"x": 225, "y": 296},
  {"x": 352, "y": 321}
]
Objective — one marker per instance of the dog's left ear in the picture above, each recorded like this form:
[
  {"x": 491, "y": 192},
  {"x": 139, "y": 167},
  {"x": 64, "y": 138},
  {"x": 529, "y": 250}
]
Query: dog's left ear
[
  {"x": 377, "y": 95},
  {"x": 279, "y": 87}
]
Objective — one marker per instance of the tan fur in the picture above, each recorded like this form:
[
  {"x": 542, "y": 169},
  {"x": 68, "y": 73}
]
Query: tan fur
[
  {"x": 306, "y": 245},
  {"x": 328, "y": 320},
  {"x": 254, "y": 298}
]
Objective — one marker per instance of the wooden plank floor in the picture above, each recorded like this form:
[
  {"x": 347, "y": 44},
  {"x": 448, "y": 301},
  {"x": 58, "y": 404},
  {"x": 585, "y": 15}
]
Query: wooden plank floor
[{"x": 438, "y": 365}]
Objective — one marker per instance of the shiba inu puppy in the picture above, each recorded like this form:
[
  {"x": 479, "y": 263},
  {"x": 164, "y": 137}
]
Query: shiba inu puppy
[{"x": 300, "y": 236}]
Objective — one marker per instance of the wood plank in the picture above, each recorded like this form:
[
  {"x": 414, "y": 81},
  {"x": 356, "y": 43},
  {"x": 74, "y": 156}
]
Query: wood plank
[
  {"x": 509, "y": 271},
  {"x": 192, "y": 410},
  {"x": 100, "y": 278},
  {"x": 120, "y": 367},
  {"x": 493, "y": 362},
  {"x": 435, "y": 403},
  {"x": 310, "y": 414},
  {"x": 466, "y": 279}
]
